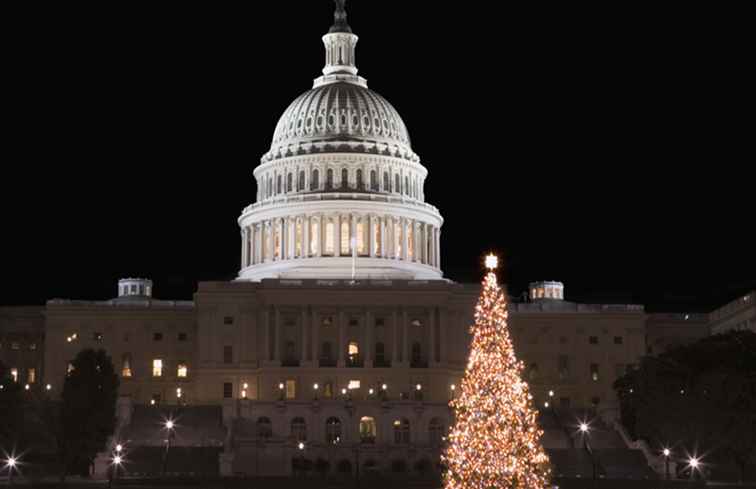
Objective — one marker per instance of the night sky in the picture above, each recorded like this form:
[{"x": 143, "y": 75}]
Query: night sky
[{"x": 606, "y": 148}]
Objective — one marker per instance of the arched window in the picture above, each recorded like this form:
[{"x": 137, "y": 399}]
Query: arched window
[
  {"x": 368, "y": 429},
  {"x": 397, "y": 184},
  {"x": 299, "y": 429},
  {"x": 326, "y": 355},
  {"x": 373, "y": 180},
  {"x": 436, "y": 431},
  {"x": 360, "y": 183},
  {"x": 270, "y": 186},
  {"x": 328, "y": 390},
  {"x": 380, "y": 353},
  {"x": 264, "y": 427},
  {"x": 416, "y": 353},
  {"x": 344, "y": 178},
  {"x": 301, "y": 182},
  {"x": 290, "y": 182},
  {"x": 315, "y": 182},
  {"x": 401, "y": 431},
  {"x": 329, "y": 179},
  {"x": 406, "y": 186},
  {"x": 386, "y": 182},
  {"x": 333, "y": 430},
  {"x": 278, "y": 185}
]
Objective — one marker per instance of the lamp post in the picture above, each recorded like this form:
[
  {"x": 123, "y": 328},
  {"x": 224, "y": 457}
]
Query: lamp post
[
  {"x": 301, "y": 447},
  {"x": 117, "y": 460},
  {"x": 11, "y": 463},
  {"x": 667, "y": 452},
  {"x": 585, "y": 431},
  {"x": 693, "y": 463},
  {"x": 169, "y": 425}
]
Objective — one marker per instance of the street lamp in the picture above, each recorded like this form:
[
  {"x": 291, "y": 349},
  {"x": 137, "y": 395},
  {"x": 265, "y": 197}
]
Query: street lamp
[
  {"x": 281, "y": 390},
  {"x": 694, "y": 463},
  {"x": 11, "y": 464},
  {"x": 117, "y": 461},
  {"x": 667, "y": 452},
  {"x": 586, "y": 431},
  {"x": 169, "y": 425}
]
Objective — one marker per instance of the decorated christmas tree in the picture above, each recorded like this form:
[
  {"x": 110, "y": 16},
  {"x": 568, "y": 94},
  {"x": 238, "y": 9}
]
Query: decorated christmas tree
[{"x": 495, "y": 440}]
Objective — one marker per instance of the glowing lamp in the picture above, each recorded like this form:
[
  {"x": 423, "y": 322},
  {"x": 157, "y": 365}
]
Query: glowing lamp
[
  {"x": 384, "y": 387},
  {"x": 117, "y": 460},
  {"x": 315, "y": 386},
  {"x": 666, "y": 452},
  {"x": 119, "y": 447},
  {"x": 11, "y": 462},
  {"x": 419, "y": 387},
  {"x": 301, "y": 446},
  {"x": 169, "y": 424},
  {"x": 693, "y": 462},
  {"x": 48, "y": 387},
  {"x": 584, "y": 427}
]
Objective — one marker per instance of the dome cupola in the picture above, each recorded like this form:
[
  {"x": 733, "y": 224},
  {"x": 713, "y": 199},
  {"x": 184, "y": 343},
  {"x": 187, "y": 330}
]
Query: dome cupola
[{"x": 340, "y": 192}]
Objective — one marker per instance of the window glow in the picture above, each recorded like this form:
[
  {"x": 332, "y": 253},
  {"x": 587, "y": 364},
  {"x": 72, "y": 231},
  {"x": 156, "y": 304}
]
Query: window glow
[
  {"x": 157, "y": 367},
  {"x": 353, "y": 384},
  {"x": 126, "y": 366},
  {"x": 291, "y": 389},
  {"x": 182, "y": 370},
  {"x": 14, "y": 374},
  {"x": 31, "y": 375}
]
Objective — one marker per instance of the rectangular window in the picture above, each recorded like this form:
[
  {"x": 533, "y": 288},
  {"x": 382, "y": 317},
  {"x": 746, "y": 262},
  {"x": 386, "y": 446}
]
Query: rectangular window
[
  {"x": 182, "y": 370},
  {"x": 31, "y": 376},
  {"x": 228, "y": 390},
  {"x": 15, "y": 345},
  {"x": 157, "y": 367},
  {"x": 353, "y": 384},
  {"x": 182, "y": 336},
  {"x": 618, "y": 340},
  {"x": 291, "y": 389},
  {"x": 14, "y": 374},
  {"x": 126, "y": 366},
  {"x": 228, "y": 354},
  {"x": 228, "y": 320},
  {"x": 594, "y": 372},
  {"x": 593, "y": 340},
  {"x": 157, "y": 336}
]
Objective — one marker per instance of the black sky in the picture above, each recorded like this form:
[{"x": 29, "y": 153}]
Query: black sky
[{"x": 609, "y": 148}]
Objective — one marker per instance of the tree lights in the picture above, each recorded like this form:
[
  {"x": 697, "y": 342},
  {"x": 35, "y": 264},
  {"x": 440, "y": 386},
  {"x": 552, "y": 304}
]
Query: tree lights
[{"x": 495, "y": 440}]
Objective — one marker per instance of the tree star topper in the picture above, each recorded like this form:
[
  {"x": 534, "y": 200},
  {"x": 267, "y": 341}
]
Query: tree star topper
[{"x": 492, "y": 262}]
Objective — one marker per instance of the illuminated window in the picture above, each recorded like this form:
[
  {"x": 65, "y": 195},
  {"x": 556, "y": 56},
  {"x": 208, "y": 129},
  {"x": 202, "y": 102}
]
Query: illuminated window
[
  {"x": 368, "y": 429},
  {"x": 329, "y": 243},
  {"x": 126, "y": 365},
  {"x": 353, "y": 349},
  {"x": 314, "y": 236},
  {"x": 291, "y": 389},
  {"x": 345, "y": 237},
  {"x": 14, "y": 374},
  {"x": 298, "y": 239},
  {"x": 397, "y": 239},
  {"x": 69, "y": 368},
  {"x": 328, "y": 390},
  {"x": 31, "y": 376},
  {"x": 377, "y": 238},
  {"x": 353, "y": 384},
  {"x": 401, "y": 431},
  {"x": 182, "y": 370},
  {"x": 362, "y": 248},
  {"x": 157, "y": 367}
]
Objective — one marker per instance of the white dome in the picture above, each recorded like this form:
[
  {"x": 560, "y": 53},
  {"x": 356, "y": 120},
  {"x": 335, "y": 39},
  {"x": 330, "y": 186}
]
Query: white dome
[{"x": 352, "y": 117}]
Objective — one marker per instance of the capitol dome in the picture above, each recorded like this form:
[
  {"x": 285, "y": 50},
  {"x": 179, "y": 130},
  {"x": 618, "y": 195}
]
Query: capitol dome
[
  {"x": 344, "y": 113},
  {"x": 340, "y": 193}
]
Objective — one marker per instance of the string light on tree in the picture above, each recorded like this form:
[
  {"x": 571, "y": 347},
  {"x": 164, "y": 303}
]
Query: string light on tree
[{"x": 495, "y": 440}]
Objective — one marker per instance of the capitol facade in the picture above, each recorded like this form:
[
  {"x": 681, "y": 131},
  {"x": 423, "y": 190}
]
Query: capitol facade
[{"x": 340, "y": 330}]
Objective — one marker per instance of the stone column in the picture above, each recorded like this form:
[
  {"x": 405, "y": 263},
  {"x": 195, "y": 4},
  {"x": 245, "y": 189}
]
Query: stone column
[
  {"x": 272, "y": 241},
  {"x": 438, "y": 248},
  {"x": 382, "y": 224},
  {"x": 337, "y": 235},
  {"x": 303, "y": 349},
  {"x": 342, "y": 340},
  {"x": 277, "y": 336},
  {"x": 266, "y": 334},
  {"x": 368, "y": 339},
  {"x": 257, "y": 242},
  {"x": 353, "y": 234},
  {"x": 432, "y": 337},
  {"x": 305, "y": 237},
  {"x": 371, "y": 237},
  {"x": 405, "y": 238},
  {"x": 315, "y": 329},
  {"x": 243, "y": 247},
  {"x": 394, "y": 339},
  {"x": 405, "y": 346}
]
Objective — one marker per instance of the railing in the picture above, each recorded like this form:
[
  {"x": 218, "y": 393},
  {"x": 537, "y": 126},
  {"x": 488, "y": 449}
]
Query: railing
[{"x": 336, "y": 195}]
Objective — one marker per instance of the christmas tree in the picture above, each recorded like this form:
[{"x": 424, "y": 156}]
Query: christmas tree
[{"x": 495, "y": 440}]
